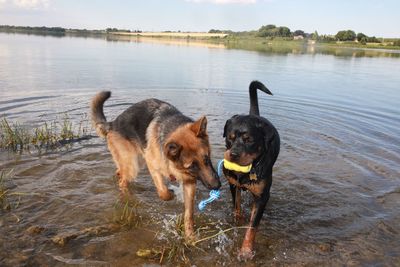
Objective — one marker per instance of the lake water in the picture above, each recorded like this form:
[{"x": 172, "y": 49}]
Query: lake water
[{"x": 335, "y": 198}]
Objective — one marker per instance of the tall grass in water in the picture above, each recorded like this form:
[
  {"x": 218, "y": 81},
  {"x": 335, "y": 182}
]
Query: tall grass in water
[
  {"x": 5, "y": 202},
  {"x": 15, "y": 137},
  {"x": 127, "y": 214}
]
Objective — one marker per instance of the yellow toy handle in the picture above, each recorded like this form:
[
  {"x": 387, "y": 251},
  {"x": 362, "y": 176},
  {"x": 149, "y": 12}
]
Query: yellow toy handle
[{"x": 236, "y": 167}]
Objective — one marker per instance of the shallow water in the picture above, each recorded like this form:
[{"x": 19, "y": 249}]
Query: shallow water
[{"x": 336, "y": 191}]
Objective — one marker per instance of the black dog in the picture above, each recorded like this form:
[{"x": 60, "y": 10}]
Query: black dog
[{"x": 251, "y": 139}]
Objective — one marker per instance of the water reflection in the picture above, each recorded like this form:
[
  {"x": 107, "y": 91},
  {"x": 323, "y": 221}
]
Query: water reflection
[{"x": 336, "y": 185}]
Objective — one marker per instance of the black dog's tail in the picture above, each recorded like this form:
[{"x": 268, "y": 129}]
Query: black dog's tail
[
  {"x": 254, "y": 85},
  {"x": 98, "y": 118}
]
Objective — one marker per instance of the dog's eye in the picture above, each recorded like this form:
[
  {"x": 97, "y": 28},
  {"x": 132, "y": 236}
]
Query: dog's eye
[
  {"x": 231, "y": 137},
  {"x": 192, "y": 166},
  {"x": 247, "y": 140},
  {"x": 207, "y": 160}
]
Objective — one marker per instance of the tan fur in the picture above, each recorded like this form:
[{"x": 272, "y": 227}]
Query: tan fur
[
  {"x": 126, "y": 156},
  {"x": 97, "y": 115},
  {"x": 191, "y": 137}
]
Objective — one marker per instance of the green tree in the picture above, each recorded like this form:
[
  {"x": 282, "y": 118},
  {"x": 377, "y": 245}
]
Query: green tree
[
  {"x": 373, "y": 39},
  {"x": 299, "y": 32},
  {"x": 315, "y": 36},
  {"x": 271, "y": 30},
  {"x": 348, "y": 35},
  {"x": 396, "y": 42},
  {"x": 267, "y": 30},
  {"x": 284, "y": 32},
  {"x": 360, "y": 36}
]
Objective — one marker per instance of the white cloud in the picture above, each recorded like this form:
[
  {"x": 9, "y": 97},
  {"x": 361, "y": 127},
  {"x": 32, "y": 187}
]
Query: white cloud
[
  {"x": 2, "y": 3},
  {"x": 31, "y": 4},
  {"x": 222, "y": 2}
]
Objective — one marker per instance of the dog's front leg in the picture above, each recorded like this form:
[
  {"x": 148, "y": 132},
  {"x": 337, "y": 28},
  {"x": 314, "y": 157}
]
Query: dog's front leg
[
  {"x": 163, "y": 192},
  {"x": 258, "y": 207},
  {"x": 189, "y": 190},
  {"x": 236, "y": 199}
]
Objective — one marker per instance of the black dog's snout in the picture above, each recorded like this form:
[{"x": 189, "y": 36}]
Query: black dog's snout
[{"x": 234, "y": 155}]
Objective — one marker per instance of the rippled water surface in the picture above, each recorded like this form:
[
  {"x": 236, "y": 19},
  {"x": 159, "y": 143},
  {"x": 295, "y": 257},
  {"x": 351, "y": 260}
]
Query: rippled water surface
[{"x": 336, "y": 190}]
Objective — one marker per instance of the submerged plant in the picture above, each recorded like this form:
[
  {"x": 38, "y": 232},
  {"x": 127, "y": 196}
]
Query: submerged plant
[
  {"x": 172, "y": 247},
  {"x": 127, "y": 214},
  {"x": 5, "y": 202}
]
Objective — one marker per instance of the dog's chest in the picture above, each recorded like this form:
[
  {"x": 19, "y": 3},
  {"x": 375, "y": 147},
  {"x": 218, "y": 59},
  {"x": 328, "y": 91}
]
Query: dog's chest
[{"x": 250, "y": 181}]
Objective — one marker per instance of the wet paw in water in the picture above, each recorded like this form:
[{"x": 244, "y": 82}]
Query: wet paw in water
[{"x": 246, "y": 254}]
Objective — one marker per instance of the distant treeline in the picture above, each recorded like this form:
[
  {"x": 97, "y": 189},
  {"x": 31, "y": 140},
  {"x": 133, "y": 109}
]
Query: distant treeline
[
  {"x": 269, "y": 31},
  {"x": 27, "y": 29},
  {"x": 272, "y": 31},
  {"x": 57, "y": 30}
]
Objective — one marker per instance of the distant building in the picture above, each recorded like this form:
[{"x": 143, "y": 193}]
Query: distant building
[{"x": 298, "y": 37}]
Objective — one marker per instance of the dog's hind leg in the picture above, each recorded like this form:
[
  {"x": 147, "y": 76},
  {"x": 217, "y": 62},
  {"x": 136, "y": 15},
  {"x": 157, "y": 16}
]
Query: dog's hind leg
[{"x": 126, "y": 156}]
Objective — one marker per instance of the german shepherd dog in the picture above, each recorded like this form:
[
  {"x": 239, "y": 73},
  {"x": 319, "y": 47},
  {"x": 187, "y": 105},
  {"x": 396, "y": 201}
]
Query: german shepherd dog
[
  {"x": 251, "y": 139},
  {"x": 172, "y": 145}
]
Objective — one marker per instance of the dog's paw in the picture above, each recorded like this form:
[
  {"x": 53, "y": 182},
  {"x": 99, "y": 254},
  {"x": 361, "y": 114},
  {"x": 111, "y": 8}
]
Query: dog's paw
[
  {"x": 190, "y": 238},
  {"x": 245, "y": 254},
  {"x": 167, "y": 195},
  {"x": 239, "y": 218},
  {"x": 123, "y": 184}
]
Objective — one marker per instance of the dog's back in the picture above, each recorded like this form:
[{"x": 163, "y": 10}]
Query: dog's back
[{"x": 133, "y": 123}]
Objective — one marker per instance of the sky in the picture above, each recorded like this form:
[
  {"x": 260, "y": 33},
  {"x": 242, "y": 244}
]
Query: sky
[{"x": 379, "y": 18}]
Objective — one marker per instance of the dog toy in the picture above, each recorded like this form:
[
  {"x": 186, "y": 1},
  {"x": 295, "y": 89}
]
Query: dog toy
[
  {"x": 214, "y": 194},
  {"x": 235, "y": 167}
]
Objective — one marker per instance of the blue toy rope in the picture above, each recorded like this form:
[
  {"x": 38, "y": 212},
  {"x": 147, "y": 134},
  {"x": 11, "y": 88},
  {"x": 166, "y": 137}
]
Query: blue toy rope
[
  {"x": 219, "y": 167},
  {"x": 214, "y": 194}
]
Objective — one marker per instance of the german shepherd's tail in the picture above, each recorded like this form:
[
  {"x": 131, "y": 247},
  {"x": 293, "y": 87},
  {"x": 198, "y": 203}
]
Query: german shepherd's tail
[
  {"x": 254, "y": 85},
  {"x": 98, "y": 119}
]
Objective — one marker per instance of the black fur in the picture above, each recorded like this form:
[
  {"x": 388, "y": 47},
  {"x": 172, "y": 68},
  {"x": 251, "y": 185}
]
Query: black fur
[
  {"x": 255, "y": 135},
  {"x": 134, "y": 121}
]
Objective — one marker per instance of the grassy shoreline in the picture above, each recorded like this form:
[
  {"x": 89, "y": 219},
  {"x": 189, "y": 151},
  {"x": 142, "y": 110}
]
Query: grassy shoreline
[{"x": 231, "y": 41}]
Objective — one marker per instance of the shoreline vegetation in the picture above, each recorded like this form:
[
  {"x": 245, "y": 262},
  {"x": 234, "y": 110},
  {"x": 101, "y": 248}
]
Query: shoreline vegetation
[
  {"x": 48, "y": 136},
  {"x": 266, "y": 36}
]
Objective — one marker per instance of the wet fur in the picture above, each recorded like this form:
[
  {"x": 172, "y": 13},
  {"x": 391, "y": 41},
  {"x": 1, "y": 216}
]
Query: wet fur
[
  {"x": 251, "y": 139},
  {"x": 171, "y": 144}
]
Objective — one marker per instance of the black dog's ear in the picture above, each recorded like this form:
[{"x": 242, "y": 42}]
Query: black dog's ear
[
  {"x": 172, "y": 150},
  {"x": 227, "y": 123},
  {"x": 271, "y": 145}
]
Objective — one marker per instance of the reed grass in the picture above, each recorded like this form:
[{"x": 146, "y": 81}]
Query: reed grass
[
  {"x": 50, "y": 135},
  {"x": 127, "y": 214},
  {"x": 5, "y": 203},
  {"x": 174, "y": 249}
]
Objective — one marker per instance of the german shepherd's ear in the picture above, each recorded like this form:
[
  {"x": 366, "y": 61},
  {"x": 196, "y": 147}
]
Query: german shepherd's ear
[
  {"x": 172, "y": 150},
  {"x": 199, "y": 127}
]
